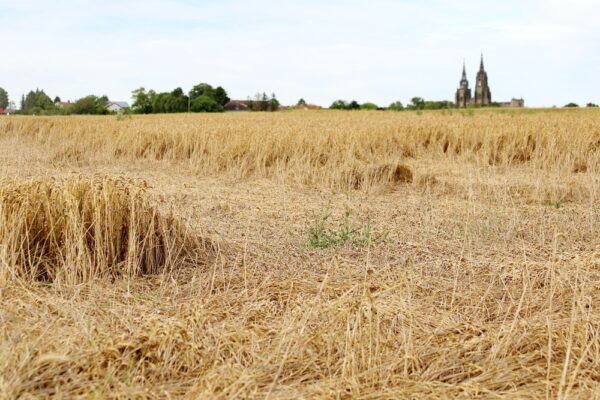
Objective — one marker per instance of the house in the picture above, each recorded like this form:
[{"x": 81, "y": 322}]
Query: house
[
  {"x": 11, "y": 109},
  {"x": 117, "y": 106},
  {"x": 237, "y": 105},
  {"x": 63, "y": 104}
]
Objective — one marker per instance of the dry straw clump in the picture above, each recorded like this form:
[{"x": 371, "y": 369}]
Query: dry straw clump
[{"x": 76, "y": 230}]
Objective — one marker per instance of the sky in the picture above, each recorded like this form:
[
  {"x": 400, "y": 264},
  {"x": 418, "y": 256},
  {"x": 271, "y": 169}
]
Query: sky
[{"x": 547, "y": 52}]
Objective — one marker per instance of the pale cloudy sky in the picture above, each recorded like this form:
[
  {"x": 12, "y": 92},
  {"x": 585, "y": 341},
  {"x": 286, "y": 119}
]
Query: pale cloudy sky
[{"x": 545, "y": 51}]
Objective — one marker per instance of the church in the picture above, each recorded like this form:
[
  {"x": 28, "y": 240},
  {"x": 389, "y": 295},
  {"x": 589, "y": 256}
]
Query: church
[{"x": 483, "y": 94}]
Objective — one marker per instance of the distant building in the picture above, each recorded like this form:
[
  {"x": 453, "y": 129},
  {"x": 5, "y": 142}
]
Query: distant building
[
  {"x": 463, "y": 94},
  {"x": 63, "y": 104},
  {"x": 482, "y": 94},
  {"x": 11, "y": 109},
  {"x": 237, "y": 105},
  {"x": 514, "y": 103},
  {"x": 307, "y": 107},
  {"x": 117, "y": 106}
]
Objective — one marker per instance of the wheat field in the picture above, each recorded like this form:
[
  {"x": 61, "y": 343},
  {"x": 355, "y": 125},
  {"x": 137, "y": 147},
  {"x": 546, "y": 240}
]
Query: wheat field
[{"x": 334, "y": 255}]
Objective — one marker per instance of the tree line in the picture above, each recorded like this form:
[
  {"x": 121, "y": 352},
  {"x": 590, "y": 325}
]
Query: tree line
[
  {"x": 201, "y": 98},
  {"x": 37, "y": 102},
  {"x": 416, "y": 103}
]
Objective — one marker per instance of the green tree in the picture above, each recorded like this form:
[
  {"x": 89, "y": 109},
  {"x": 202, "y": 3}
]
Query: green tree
[
  {"x": 368, "y": 106},
  {"x": 301, "y": 102},
  {"x": 339, "y": 105},
  {"x": 572, "y": 105},
  {"x": 160, "y": 103},
  {"x": 3, "y": 98},
  {"x": 206, "y": 104},
  {"x": 273, "y": 103},
  {"x": 202, "y": 89},
  {"x": 57, "y": 100},
  {"x": 142, "y": 101},
  {"x": 591, "y": 105},
  {"x": 396, "y": 106},
  {"x": 38, "y": 102},
  {"x": 178, "y": 101},
  {"x": 264, "y": 102},
  {"x": 221, "y": 96},
  {"x": 417, "y": 103},
  {"x": 91, "y": 105},
  {"x": 354, "y": 105}
]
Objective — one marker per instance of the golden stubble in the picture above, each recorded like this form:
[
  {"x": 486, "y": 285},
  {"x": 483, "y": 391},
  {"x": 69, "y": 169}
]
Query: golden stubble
[{"x": 175, "y": 261}]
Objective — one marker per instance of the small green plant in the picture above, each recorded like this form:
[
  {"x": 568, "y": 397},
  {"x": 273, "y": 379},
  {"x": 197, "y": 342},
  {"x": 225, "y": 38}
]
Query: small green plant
[
  {"x": 552, "y": 203},
  {"x": 323, "y": 237}
]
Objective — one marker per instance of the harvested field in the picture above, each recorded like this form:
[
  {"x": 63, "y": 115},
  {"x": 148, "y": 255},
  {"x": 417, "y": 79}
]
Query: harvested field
[{"x": 295, "y": 255}]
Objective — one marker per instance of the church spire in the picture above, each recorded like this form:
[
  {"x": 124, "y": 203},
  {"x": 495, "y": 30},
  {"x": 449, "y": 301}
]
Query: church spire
[
  {"x": 464, "y": 74},
  {"x": 481, "y": 65}
]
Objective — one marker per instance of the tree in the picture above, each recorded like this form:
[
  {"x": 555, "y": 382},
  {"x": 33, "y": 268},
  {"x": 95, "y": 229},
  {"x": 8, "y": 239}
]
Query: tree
[
  {"x": 339, "y": 105},
  {"x": 368, "y": 106},
  {"x": 3, "y": 98},
  {"x": 177, "y": 101},
  {"x": 142, "y": 101},
  {"x": 57, "y": 100},
  {"x": 591, "y": 105},
  {"x": 354, "y": 105},
  {"x": 417, "y": 103},
  {"x": 262, "y": 102},
  {"x": 273, "y": 103},
  {"x": 221, "y": 96},
  {"x": 202, "y": 89},
  {"x": 301, "y": 102},
  {"x": 38, "y": 102},
  {"x": 206, "y": 104},
  {"x": 396, "y": 106},
  {"x": 572, "y": 105},
  {"x": 91, "y": 105}
]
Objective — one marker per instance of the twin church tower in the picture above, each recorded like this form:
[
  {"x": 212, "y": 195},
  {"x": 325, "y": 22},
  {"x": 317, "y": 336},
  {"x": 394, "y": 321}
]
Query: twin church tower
[{"x": 483, "y": 95}]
